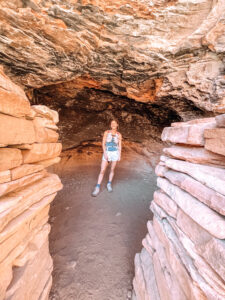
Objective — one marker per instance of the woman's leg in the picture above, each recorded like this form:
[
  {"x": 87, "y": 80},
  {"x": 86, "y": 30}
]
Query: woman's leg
[
  {"x": 102, "y": 172},
  {"x": 111, "y": 174}
]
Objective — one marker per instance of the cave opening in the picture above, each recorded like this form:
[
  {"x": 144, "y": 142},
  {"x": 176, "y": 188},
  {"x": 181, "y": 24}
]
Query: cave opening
[{"x": 93, "y": 240}]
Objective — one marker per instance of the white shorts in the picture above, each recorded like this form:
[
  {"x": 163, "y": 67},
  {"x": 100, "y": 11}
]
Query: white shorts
[{"x": 112, "y": 156}]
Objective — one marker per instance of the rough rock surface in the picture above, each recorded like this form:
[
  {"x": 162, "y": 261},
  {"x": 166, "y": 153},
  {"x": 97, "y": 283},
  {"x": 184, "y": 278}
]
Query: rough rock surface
[
  {"x": 26, "y": 190},
  {"x": 185, "y": 240},
  {"x": 144, "y": 50}
]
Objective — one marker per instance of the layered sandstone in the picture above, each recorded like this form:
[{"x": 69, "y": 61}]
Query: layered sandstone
[
  {"x": 150, "y": 51},
  {"x": 26, "y": 191},
  {"x": 183, "y": 253}
]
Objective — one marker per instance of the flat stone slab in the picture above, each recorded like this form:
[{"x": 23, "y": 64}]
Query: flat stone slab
[
  {"x": 210, "y": 176},
  {"x": 208, "y": 219},
  {"x": 16, "y": 130},
  {"x": 25, "y": 170},
  {"x": 187, "y": 134},
  {"x": 41, "y": 152},
  {"x": 211, "y": 198},
  {"x": 193, "y": 154},
  {"x": 13, "y": 100},
  {"x": 10, "y": 158}
]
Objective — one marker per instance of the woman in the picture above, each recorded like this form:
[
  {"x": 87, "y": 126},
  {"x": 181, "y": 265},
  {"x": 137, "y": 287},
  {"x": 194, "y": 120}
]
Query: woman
[{"x": 112, "y": 145}]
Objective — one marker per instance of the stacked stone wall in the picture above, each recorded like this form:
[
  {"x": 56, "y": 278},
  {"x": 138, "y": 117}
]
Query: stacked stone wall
[
  {"x": 28, "y": 144},
  {"x": 183, "y": 254}
]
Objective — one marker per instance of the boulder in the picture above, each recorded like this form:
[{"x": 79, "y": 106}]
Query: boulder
[
  {"x": 41, "y": 152},
  {"x": 208, "y": 219},
  {"x": 16, "y": 130},
  {"x": 10, "y": 158}
]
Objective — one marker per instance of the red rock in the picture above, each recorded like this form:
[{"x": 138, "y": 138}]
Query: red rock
[
  {"x": 205, "y": 271},
  {"x": 216, "y": 133},
  {"x": 216, "y": 145},
  {"x": 45, "y": 293},
  {"x": 211, "y": 249},
  {"x": 193, "y": 154},
  {"x": 176, "y": 291},
  {"x": 29, "y": 280},
  {"x": 193, "y": 122},
  {"x": 44, "y": 111},
  {"x": 21, "y": 182},
  {"x": 212, "y": 177},
  {"x": 29, "y": 224},
  {"x": 166, "y": 203},
  {"x": 157, "y": 210},
  {"x": 179, "y": 262},
  {"x": 16, "y": 131},
  {"x": 160, "y": 169},
  {"x": 208, "y": 219},
  {"x": 43, "y": 134},
  {"x": 25, "y": 170},
  {"x": 49, "y": 162},
  {"x": 44, "y": 123},
  {"x": 220, "y": 120},
  {"x": 214, "y": 200},
  {"x": 13, "y": 100},
  {"x": 15, "y": 203},
  {"x": 41, "y": 152},
  {"x": 187, "y": 134},
  {"x": 10, "y": 158},
  {"x": 33, "y": 246},
  {"x": 6, "y": 276},
  {"x": 5, "y": 176}
]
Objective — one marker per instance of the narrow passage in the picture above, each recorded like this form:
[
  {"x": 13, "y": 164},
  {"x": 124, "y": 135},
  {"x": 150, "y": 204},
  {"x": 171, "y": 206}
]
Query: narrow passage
[{"x": 93, "y": 240}]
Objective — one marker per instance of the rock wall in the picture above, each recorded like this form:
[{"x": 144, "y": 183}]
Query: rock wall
[
  {"x": 183, "y": 254},
  {"x": 28, "y": 144},
  {"x": 150, "y": 51}
]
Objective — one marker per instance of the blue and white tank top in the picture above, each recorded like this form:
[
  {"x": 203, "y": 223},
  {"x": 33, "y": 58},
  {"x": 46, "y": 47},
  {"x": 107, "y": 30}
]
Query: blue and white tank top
[{"x": 112, "y": 141}]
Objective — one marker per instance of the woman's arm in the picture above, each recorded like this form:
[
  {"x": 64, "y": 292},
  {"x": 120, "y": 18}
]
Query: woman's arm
[
  {"x": 103, "y": 145},
  {"x": 120, "y": 144}
]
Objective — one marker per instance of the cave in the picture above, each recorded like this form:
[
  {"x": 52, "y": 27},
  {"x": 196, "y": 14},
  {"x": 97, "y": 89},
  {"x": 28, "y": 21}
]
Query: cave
[{"x": 67, "y": 69}]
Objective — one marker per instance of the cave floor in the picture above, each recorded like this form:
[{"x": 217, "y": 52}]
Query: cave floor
[{"x": 93, "y": 240}]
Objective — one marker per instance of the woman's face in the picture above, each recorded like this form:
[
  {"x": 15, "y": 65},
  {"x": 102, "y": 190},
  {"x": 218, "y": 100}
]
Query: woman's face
[{"x": 114, "y": 125}]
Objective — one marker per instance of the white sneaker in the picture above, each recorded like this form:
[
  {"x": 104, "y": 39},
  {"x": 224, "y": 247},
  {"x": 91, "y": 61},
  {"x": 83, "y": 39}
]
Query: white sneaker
[
  {"x": 96, "y": 191},
  {"x": 109, "y": 187}
]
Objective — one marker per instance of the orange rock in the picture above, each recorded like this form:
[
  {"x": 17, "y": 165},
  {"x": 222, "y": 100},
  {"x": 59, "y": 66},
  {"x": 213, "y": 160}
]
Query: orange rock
[
  {"x": 187, "y": 134},
  {"x": 24, "y": 170},
  {"x": 216, "y": 145},
  {"x": 41, "y": 152},
  {"x": 13, "y": 100},
  {"x": 10, "y": 158},
  {"x": 15, "y": 203},
  {"x": 195, "y": 155},
  {"x": 5, "y": 176},
  {"x": 44, "y": 111},
  {"x": 14, "y": 185},
  {"x": 16, "y": 131},
  {"x": 49, "y": 162}
]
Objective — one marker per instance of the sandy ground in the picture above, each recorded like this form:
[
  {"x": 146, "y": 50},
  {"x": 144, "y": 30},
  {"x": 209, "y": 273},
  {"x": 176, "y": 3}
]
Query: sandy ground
[{"x": 93, "y": 240}]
